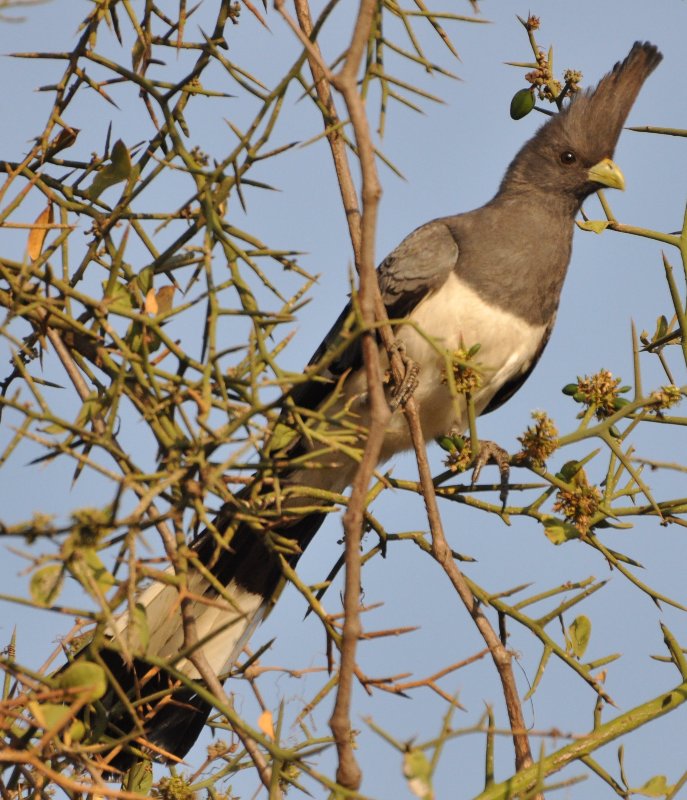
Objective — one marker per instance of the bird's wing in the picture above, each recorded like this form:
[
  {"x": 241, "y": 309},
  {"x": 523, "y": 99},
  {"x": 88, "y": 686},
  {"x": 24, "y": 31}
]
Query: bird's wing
[{"x": 420, "y": 264}]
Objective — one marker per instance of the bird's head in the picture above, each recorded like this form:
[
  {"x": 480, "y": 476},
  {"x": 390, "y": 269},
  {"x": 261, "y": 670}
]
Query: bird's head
[{"x": 571, "y": 156}]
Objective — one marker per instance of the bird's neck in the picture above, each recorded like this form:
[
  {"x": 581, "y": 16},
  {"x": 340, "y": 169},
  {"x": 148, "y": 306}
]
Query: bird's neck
[
  {"x": 528, "y": 245},
  {"x": 536, "y": 204}
]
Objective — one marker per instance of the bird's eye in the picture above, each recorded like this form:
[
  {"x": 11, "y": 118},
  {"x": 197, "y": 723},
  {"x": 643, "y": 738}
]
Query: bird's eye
[{"x": 568, "y": 157}]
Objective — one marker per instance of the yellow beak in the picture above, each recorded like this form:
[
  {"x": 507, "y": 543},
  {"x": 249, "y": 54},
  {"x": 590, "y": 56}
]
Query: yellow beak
[{"x": 607, "y": 173}]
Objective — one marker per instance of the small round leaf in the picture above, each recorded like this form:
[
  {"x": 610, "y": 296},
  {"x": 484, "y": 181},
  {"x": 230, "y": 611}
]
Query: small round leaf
[
  {"x": 46, "y": 584},
  {"x": 85, "y": 676}
]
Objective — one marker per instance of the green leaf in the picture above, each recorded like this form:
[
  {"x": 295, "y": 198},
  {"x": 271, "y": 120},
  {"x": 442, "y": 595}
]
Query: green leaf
[
  {"x": 418, "y": 770},
  {"x": 54, "y": 429},
  {"x": 85, "y": 676},
  {"x": 144, "y": 279},
  {"x": 282, "y": 437},
  {"x": 52, "y": 715},
  {"x": 446, "y": 443},
  {"x": 654, "y": 787},
  {"x": 569, "y": 470},
  {"x": 118, "y": 170},
  {"x": 559, "y": 532},
  {"x": 139, "y": 778},
  {"x": 661, "y": 328},
  {"x": 103, "y": 577},
  {"x": 593, "y": 225},
  {"x": 89, "y": 410},
  {"x": 138, "y": 632},
  {"x": 48, "y": 714},
  {"x": 472, "y": 352},
  {"x": 87, "y": 566},
  {"x": 46, "y": 584},
  {"x": 579, "y": 633},
  {"x": 134, "y": 337},
  {"x": 121, "y": 299}
]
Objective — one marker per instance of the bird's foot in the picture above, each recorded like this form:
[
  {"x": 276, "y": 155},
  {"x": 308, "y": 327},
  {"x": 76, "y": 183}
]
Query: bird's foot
[
  {"x": 402, "y": 393},
  {"x": 491, "y": 453}
]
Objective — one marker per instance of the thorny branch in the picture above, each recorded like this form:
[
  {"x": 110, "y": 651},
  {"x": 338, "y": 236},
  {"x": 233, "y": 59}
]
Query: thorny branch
[
  {"x": 191, "y": 642},
  {"x": 345, "y": 82},
  {"x": 363, "y": 239}
]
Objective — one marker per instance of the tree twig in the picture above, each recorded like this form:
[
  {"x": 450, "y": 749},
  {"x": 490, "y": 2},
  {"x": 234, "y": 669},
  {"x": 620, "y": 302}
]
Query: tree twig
[{"x": 345, "y": 83}]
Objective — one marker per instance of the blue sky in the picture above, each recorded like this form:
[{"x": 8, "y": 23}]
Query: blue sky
[{"x": 452, "y": 157}]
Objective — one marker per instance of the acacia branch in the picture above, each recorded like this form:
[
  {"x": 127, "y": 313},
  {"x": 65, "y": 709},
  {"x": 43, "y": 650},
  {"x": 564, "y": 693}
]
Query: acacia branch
[
  {"x": 191, "y": 643},
  {"x": 332, "y": 123},
  {"x": 585, "y": 745},
  {"x": 11, "y": 756},
  {"x": 442, "y": 553},
  {"x": 348, "y": 772},
  {"x": 345, "y": 83}
]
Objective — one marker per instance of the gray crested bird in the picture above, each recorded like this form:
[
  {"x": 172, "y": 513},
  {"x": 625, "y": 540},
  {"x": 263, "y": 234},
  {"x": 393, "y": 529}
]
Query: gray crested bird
[{"x": 491, "y": 277}]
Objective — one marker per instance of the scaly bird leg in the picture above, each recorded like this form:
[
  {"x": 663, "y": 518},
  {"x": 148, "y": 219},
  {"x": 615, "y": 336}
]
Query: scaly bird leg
[
  {"x": 402, "y": 393},
  {"x": 491, "y": 453}
]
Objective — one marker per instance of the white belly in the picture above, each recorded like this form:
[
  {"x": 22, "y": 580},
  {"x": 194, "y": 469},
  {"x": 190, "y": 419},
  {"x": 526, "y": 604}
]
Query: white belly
[{"x": 453, "y": 319}]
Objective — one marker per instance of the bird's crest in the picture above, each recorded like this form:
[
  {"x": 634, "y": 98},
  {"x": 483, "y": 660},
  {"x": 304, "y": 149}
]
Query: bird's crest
[{"x": 605, "y": 108}]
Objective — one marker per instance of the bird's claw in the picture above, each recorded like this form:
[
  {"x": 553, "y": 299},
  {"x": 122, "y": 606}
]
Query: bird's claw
[
  {"x": 403, "y": 392},
  {"x": 491, "y": 453}
]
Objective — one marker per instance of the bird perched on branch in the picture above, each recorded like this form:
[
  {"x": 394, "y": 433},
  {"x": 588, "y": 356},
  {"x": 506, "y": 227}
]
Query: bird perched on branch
[{"x": 490, "y": 277}]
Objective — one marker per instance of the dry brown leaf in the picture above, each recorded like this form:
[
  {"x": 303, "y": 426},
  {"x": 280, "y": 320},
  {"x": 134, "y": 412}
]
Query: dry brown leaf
[
  {"x": 164, "y": 297},
  {"x": 39, "y": 231},
  {"x": 151, "y": 306},
  {"x": 64, "y": 139},
  {"x": 265, "y": 724}
]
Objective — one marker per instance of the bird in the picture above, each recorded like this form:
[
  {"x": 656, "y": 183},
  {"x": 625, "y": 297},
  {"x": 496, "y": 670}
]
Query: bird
[{"x": 492, "y": 278}]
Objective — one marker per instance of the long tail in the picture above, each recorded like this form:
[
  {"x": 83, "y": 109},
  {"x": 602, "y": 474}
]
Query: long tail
[{"x": 251, "y": 574}]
